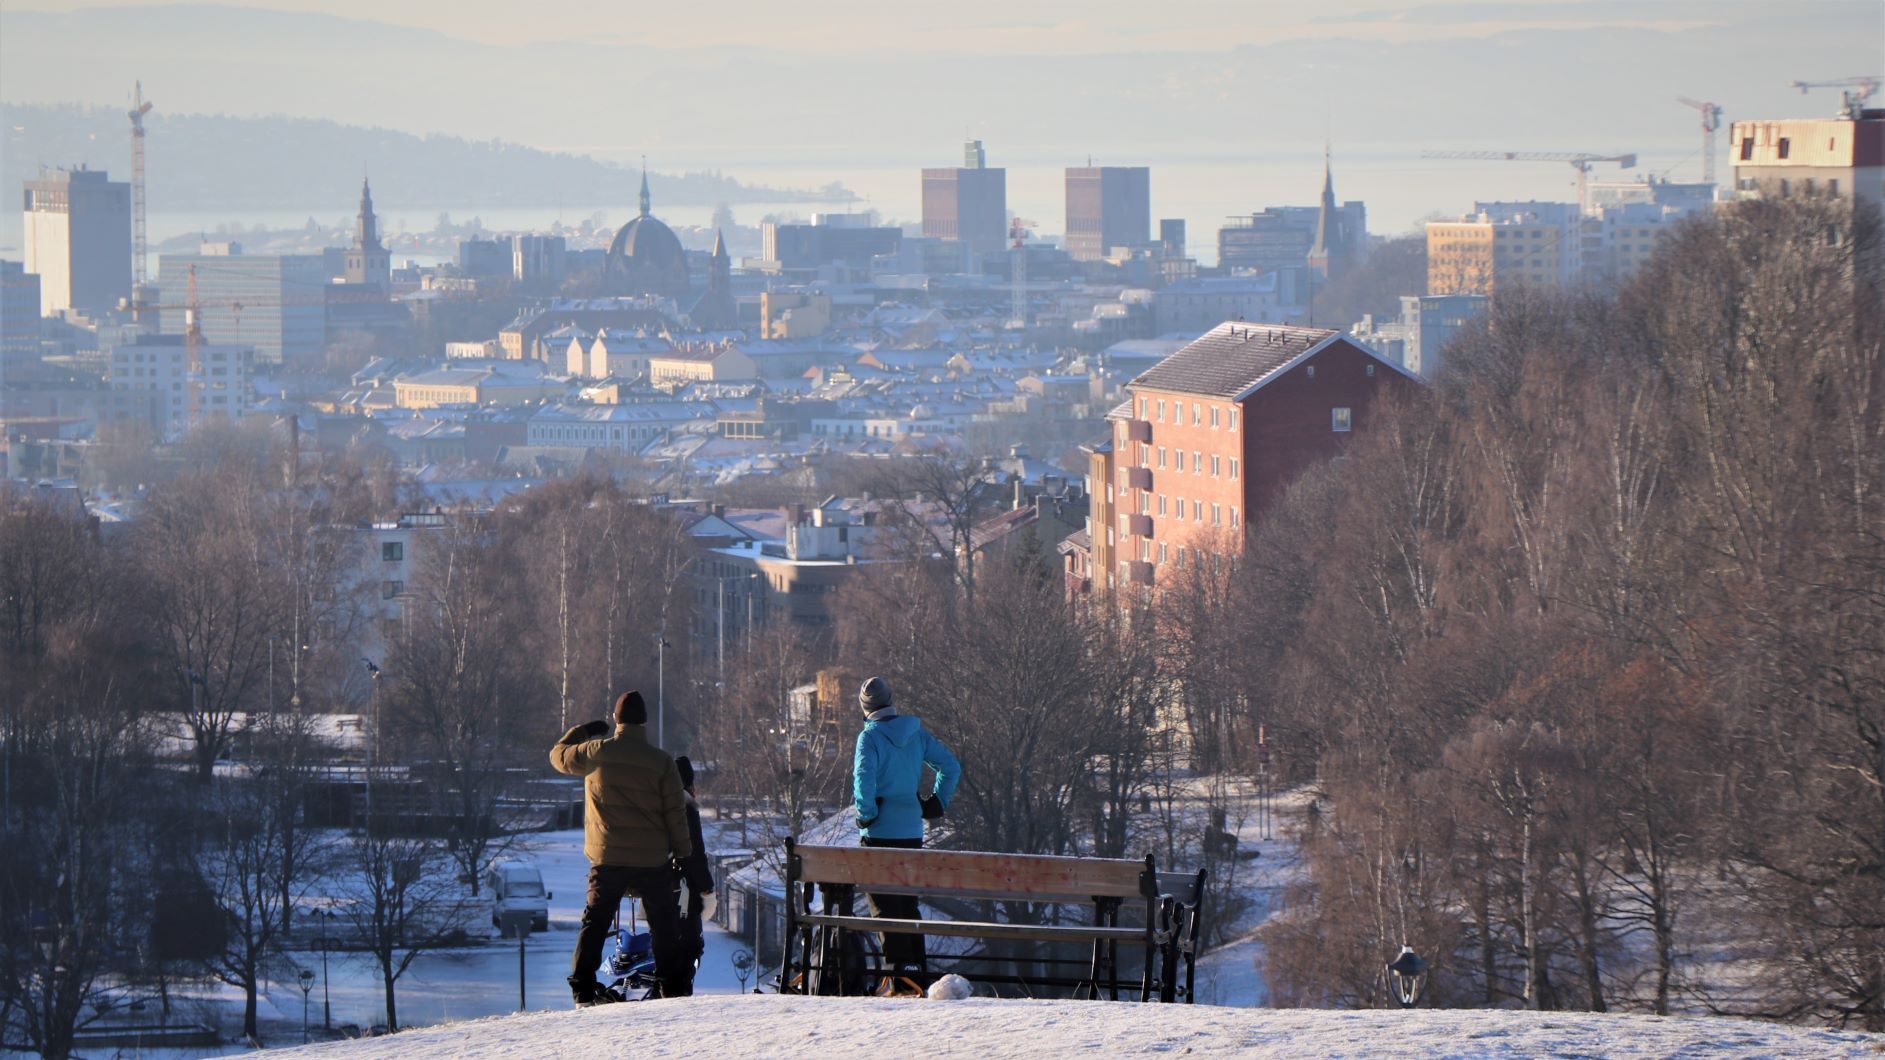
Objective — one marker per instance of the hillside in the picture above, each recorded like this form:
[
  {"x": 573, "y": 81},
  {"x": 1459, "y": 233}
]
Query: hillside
[
  {"x": 216, "y": 161},
  {"x": 770, "y": 1025}
]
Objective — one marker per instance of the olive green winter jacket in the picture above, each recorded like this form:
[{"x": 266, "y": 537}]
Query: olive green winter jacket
[{"x": 636, "y": 810}]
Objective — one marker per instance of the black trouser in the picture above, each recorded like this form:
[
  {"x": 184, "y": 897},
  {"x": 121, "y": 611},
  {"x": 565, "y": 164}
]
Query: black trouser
[
  {"x": 902, "y": 953},
  {"x": 655, "y": 887},
  {"x": 693, "y": 938}
]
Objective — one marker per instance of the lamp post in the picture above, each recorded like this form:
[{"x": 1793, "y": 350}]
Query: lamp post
[
  {"x": 373, "y": 748},
  {"x": 307, "y": 987},
  {"x": 327, "y": 1007},
  {"x": 661, "y": 687},
  {"x": 1407, "y": 977}
]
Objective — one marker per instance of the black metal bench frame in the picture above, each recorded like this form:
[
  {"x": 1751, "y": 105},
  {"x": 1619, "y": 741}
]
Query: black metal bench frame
[{"x": 1171, "y": 900}]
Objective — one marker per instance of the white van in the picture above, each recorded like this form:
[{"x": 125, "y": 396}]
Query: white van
[{"x": 517, "y": 887}]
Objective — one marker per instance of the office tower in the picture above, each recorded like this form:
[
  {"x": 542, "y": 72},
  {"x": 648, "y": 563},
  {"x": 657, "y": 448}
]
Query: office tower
[
  {"x": 1107, "y": 207},
  {"x": 78, "y": 240}
]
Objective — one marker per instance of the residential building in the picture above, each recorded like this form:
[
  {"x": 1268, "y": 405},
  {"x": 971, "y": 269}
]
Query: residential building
[
  {"x": 276, "y": 303},
  {"x": 1841, "y": 157},
  {"x": 1281, "y": 237},
  {"x": 1210, "y": 437},
  {"x": 1204, "y": 302},
  {"x": 487, "y": 385},
  {"x": 829, "y": 239},
  {"x": 1430, "y": 323},
  {"x": 159, "y": 365},
  {"x": 78, "y": 240},
  {"x": 1528, "y": 244},
  {"x": 1107, "y": 207},
  {"x": 793, "y": 314},
  {"x": 19, "y": 319},
  {"x": 484, "y": 257},
  {"x": 968, "y": 204},
  {"x": 540, "y": 260},
  {"x": 625, "y": 428}
]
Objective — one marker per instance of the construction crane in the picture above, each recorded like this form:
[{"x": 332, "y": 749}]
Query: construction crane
[
  {"x": 1711, "y": 120},
  {"x": 1018, "y": 270},
  {"x": 1854, "y": 92},
  {"x": 139, "y": 107},
  {"x": 1579, "y": 160}
]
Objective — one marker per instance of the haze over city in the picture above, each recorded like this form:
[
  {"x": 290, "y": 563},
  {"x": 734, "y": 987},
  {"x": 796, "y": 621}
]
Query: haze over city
[{"x": 984, "y": 529}]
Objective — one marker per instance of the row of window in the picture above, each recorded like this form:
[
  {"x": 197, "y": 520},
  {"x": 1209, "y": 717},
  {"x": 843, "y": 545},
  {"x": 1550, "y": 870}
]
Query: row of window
[
  {"x": 1154, "y": 409},
  {"x": 1178, "y": 512}
]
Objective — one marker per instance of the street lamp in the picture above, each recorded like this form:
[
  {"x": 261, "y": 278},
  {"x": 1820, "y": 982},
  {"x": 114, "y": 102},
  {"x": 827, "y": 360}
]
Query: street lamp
[
  {"x": 327, "y": 1007},
  {"x": 373, "y": 754},
  {"x": 661, "y": 687},
  {"x": 307, "y": 987},
  {"x": 1407, "y": 977}
]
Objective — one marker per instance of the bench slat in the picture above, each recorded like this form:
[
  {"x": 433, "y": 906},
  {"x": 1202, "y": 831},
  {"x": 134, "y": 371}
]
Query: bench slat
[
  {"x": 1036, "y": 877},
  {"x": 970, "y": 929}
]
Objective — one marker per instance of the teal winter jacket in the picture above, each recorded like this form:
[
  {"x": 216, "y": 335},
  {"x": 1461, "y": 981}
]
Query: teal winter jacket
[{"x": 888, "y": 771}]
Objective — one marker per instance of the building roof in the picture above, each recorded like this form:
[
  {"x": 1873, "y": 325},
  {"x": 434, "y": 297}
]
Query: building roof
[{"x": 1233, "y": 359}]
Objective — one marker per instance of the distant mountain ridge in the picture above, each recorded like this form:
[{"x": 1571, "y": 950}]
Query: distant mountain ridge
[{"x": 204, "y": 162}]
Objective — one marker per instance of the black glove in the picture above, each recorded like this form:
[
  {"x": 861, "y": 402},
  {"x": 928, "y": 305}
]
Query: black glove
[
  {"x": 865, "y": 822},
  {"x": 598, "y": 728},
  {"x": 932, "y": 807}
]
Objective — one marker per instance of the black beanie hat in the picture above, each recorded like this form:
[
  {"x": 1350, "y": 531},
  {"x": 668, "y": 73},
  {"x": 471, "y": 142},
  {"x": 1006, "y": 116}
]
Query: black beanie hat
[
  {"x": 630, "y": 710},
  {"x": 874, "y": 696},
  {"x": 687, "y": 772}
]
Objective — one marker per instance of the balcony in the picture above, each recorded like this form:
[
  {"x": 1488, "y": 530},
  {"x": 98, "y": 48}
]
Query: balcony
[
  {"x": 1139, "y": 525},
  {"x": 1139, "y": 572},
  {"x": 1138, "y": 430},
  {"x": 1139, "y": 478}
]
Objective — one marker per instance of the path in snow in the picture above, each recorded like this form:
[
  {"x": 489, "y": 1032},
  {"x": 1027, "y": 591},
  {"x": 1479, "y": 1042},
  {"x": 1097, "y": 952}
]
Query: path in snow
[{"x": 771, "y": 1025}]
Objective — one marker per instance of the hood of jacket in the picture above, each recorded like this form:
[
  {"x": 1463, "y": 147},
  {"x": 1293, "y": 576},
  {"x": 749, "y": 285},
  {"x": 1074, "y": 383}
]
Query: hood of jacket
[{"x": 899, "y": 730}]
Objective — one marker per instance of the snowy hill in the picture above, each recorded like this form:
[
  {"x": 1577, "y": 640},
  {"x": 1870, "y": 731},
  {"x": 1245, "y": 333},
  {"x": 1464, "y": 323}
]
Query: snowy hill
[{"x": 769, "y": 1025}]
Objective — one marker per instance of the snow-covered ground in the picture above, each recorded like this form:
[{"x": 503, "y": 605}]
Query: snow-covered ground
[{"x": 771, "y": 1025}]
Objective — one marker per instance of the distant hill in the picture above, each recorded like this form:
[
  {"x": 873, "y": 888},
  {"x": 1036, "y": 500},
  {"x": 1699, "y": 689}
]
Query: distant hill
[{"x": 212, "y": 161}]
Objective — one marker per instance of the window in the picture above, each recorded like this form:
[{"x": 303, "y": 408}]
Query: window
[
  {"x": 1832, "y": 186},
  {"x": 1233, "y": 515},
  {"x": 1142, "y": 408},
  {"x": 1179, "y": 456},
  {"x": 1233, "y": 467},
  {"x": 393, "y": 551},
  {"x": 1161, "y": 504},
  {"x": 1181, "y": 556},
  {"x": 1233, "y": 419},
  {"x": 1214, "y": 417},
  {"x": 1784, "y": 146},
  {"x": 1339, "y": 419},
  {"x": 1162, "y": 556},
  {"x": 1312, "y": 371},
  {"x": 1161, "y": 410},
  {"x": 1214, "y": 465},
  {"x": 1197, "y": 511},
  {"x": 1747, "y": 148},
  {"x": 1197, "y": 462},
  {"x": 1161, "y": 457},
  {"x": 390, "y": 589},
  {"x": 1217, "y": 515},
  {"x": 1371, "y": 371},
  {"x": 1197, "y": 414}
]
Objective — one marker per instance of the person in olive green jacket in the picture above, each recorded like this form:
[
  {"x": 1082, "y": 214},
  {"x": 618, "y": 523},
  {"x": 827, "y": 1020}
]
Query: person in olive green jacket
[{"x": 634, "y": 831}]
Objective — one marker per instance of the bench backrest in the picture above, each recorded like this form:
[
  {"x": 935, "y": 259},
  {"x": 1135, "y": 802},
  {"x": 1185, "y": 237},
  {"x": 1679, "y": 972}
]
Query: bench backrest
[{"x": 966, "y": 874}]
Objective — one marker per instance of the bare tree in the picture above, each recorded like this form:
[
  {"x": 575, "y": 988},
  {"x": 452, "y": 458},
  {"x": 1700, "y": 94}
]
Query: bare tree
[{"x": 401, "y": 902}]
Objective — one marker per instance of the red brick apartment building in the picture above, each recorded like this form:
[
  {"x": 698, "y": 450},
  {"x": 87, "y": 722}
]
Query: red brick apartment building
[{"x": 1210, "y": 436}]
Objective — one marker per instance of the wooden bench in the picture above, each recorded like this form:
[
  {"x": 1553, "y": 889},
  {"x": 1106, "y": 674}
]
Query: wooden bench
[{"x": 1167, "y": 935}]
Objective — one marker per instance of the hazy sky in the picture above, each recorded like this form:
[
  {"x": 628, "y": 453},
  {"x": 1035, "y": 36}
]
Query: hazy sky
[{"x": 1041, "y": 27}]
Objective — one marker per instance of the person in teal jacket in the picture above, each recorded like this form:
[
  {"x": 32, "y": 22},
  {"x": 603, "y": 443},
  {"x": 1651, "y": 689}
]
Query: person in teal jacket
[{"x": 886, "y": 778}]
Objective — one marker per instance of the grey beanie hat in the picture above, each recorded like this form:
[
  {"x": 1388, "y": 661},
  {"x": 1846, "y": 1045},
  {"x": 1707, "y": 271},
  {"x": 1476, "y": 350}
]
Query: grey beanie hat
[{"x": 874, "y": 696}]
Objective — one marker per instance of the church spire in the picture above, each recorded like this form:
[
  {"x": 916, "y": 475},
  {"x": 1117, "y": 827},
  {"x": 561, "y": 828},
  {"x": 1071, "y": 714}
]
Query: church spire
[
  {"x": 644, "y": 185},
  {"x": 1331, "y": 241},
  {"x": 366, "y": 232}
]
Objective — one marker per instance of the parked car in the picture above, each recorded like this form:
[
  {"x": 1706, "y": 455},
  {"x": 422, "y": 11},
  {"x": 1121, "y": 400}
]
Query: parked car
[{"x": 517, "y": 887}]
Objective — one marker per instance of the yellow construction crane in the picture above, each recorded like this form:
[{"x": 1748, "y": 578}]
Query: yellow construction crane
[
  {"x": 1578, "y": 160},
  {"x": 1711, "y": 120}
]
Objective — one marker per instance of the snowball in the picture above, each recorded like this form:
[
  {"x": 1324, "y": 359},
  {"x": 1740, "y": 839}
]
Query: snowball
[{"x": 950, "y": 987}]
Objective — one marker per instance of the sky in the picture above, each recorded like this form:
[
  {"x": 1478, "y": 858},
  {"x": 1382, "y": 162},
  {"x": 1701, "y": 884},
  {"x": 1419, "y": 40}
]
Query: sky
[{"x": 998, "y": 27}]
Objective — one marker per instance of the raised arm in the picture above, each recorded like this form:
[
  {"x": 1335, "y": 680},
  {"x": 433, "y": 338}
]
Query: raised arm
[{"x": 575, "y": 752}]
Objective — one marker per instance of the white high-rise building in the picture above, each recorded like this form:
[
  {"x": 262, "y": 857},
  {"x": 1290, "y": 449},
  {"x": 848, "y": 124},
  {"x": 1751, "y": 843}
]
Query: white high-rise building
[{"x": 78, "y": 240}]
